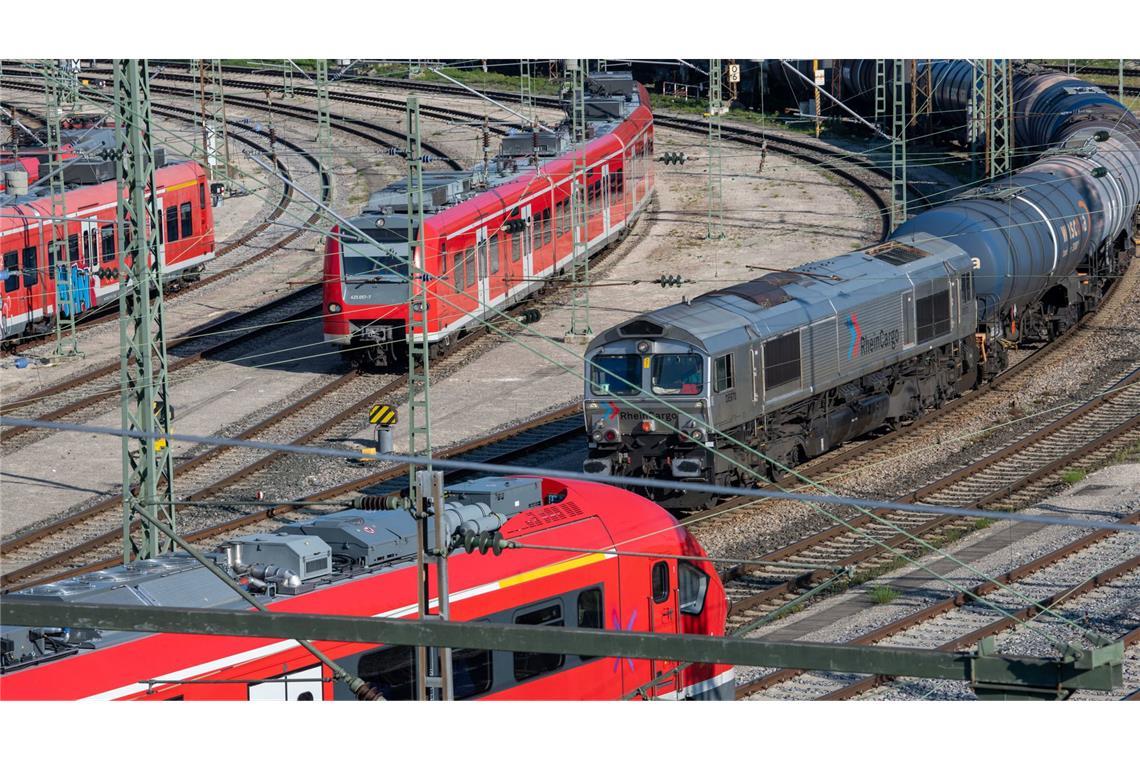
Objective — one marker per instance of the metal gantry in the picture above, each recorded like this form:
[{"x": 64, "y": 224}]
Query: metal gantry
[
  {"x": 287, "y": 90},
  {"x": 148, "y": 466},
  {"x": 63, "y": 259},
  {"x": 715, "y": 222},
  {"x": 526, "y": 92},
  {"x": 898, "y": 146},
  {"x": 579, "y": 199}
]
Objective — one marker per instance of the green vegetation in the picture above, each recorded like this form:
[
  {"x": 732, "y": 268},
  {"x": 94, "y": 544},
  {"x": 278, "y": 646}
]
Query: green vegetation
[
  {"x": 489, "y": 80},
  {"x": 983, "y": 522},
  {"x": 1075, "y": 475},
  {"x": 883, "y": 594}
]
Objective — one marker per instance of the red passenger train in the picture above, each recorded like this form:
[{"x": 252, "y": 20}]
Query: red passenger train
[
  {"x": 491, "y": 235},
  {"x": 358, "y": 562},
  {"x": 81, "y": 272}
]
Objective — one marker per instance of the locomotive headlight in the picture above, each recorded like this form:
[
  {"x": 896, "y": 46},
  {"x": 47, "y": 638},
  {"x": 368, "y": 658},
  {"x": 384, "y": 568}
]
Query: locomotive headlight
[
  {"x": 597, "y": 435},
  {"x": 700, "y": 403},
  {"x": 643, "y": 347},
  {"x": 334, "y": 308},
  {"x": 592, "y": 407},
  {"x": 697, "y": 435}
]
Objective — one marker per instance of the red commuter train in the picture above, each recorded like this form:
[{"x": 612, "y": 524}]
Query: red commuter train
[
  {"x": 491, "y": 235},
  {"x": 358, "y": 562},
  {"x": 82, "y": 270}
]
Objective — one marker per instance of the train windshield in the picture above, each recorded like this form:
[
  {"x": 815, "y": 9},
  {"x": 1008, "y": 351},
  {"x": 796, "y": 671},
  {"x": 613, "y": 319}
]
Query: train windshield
[
  {"x": 616, "y": 374},
  {"x": 678, "y": 374},
  {"x": 365, "y": 261}
]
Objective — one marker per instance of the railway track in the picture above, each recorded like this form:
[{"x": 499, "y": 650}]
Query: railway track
[
  {"x": 958, "y": 621},
  {"x": 527, "y": 439},
  {"x": 1008, "y": 479}
]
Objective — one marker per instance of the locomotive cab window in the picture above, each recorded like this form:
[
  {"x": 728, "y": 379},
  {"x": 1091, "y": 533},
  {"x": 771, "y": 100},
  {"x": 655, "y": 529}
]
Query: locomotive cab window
[
  {"x": 723, "y": 377},
  {"x": 11, "y": 271},
  {"x": 678, "y": 374},
  {"x": 660, "y": 582},
  {"x": 692, "y": 587},
  {"x": 392, "y": 671},
  {"x": 932, "y": 316},
  {"x": 31, "y": 271},
  {"x": 532, "y": 664},
  {"x": 616, "y": 374},
  {"x": 590, "y": 613},
  {"x": 782, "y": 361},
  {"x": 967, "y": 281}
]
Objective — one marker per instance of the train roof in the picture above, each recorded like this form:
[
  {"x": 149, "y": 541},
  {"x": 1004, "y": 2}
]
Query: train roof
[
  {"x": 781, "y": 301},
  {"x": 611, "y": 98},
  {"x": 333, "y": 550}
]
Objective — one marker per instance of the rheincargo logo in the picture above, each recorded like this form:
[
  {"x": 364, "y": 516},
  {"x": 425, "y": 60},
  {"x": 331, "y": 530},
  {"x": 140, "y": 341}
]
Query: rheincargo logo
[{"x": 862, "y": 344}]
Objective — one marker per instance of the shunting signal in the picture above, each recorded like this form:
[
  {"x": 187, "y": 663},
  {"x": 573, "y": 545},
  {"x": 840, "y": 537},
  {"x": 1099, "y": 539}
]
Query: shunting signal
[{"x": 382, "y": 414}]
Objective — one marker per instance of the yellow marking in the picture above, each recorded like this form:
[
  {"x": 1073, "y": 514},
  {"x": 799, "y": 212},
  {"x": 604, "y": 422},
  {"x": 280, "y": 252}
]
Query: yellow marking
[
  {"x": 191, "y": 183},
  {"x": 645, "y": 362},
  {"x": 559, "y": 567}
]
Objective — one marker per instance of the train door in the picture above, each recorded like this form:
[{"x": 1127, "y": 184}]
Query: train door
[
  {"x": 663, "y": 619},
  {"x": 527, "y": 245},
  {"x": 483, "y": 280},
  {"x": 299, "y": 686},
  {"x": 89, "y": 286},
  {"x": 604, "y": 196}
]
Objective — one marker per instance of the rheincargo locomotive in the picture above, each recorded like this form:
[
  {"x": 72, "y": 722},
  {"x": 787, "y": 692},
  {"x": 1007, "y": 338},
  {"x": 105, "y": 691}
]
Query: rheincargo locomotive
[
  {"x": 361, "y": 562},
  {"x": 765, "y": 374},
  {"x": 492, "y": 235}
]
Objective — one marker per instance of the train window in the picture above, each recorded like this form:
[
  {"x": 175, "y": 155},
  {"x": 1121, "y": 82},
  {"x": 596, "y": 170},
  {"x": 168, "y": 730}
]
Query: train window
[
  {"x": 782, "y": 361},
  {"x": 494, "y": 254},
  {"x": 692, "y": 587},
  {"x": 678, "y": 374},
  {"x": 590, "y": 613},
  {"x": 53, "y": 248},
  {"x": 88, "y": 251},
  {"x": 171, "y": 224},
  {"x": 932, "y": 316},
  {"x": 546, "y": 226},
  {"x": 516, "y": 246},
  {"x": 73, "y": 249},
  {"x": 531, "y": 664},
  {"x": 617, "y": 374},
  {"x": 11, "y": 271},
  {"x": 107, "y": 231},
  {"x": 31, "y": 271},
  {"x": 186, "y": 220},
  {"x": 471, "y": 672},
  {"x": 202, "y": 194},
  {"x": 722, "y": 380},
  {"x": 660, "y": 582},
  {"x": 469, "y": 265},
  {"x": 967, "y": 281},
  {"x": 392, "y": 671},
  {"x": 619, "y": 182},
  {"x": 458, "y": 261}
]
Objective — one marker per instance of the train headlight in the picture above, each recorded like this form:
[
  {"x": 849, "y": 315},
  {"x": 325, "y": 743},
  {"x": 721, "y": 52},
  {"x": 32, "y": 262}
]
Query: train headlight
[
  {"x": 597, "y": 435},
  {"x": 697, "y": 435},
  {"x": 334, "y": 308},
  {"x": 700, "y": 403},
  {"x": 643, "y": 346}
]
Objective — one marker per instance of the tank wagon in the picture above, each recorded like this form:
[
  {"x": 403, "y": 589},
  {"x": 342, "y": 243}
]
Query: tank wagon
[
  {"x": 361, "y": 562},
  {"x": 792, "y": 364}
]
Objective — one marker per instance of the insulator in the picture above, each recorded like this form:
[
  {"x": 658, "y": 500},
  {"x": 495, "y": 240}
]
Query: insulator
[
  {"x": 530, "y": 316},
  {"x": 390, "y": 501}
]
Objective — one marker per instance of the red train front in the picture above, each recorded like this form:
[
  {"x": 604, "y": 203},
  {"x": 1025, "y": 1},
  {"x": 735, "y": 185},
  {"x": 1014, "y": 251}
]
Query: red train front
[
  {"x": 363, "y": 569},
  {"x": 492, "y": 235}
]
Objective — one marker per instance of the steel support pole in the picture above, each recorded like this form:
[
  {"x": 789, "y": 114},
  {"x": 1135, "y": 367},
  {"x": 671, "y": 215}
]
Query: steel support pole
[
  {"x": 579, "y": 203},
  {"x": 898, "y": 146},
  {"x": 880, "y": 91},
  {"x": 148, "y": 466},
  {"x": 999, "y": 127},
  {"x": 1120, "y": 81},
  {"x": 815, "y": 72},
  {"x": 715, "y": 222},
  {"x": 287, "y": 90},
  {"x": 526, "y": 93},
  {"x": 63, "y": 259},
  {"x": 324, "y": 117},
  {"x": 218, "y": 149}
]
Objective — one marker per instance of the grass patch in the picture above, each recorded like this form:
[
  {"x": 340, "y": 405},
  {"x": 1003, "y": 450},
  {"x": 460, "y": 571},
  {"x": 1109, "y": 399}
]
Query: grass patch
[
  {"x": 1073, "y": 476},
  {"x": 883, "y": 594},
  {"x": 983, "y": 522}
]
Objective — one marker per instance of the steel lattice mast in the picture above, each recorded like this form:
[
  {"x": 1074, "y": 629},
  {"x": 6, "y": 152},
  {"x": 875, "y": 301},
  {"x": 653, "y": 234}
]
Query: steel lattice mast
[
  {"x": 715, "y": 226},
  {"x": 580, "y": 268},
  {"x": 324, "y": 118},
  {"x": 898, "y": 146},
  {"x": 999, "y": 122},
  {"x": 62, "y": 260},
  {"x": 148, "y": 466}
]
